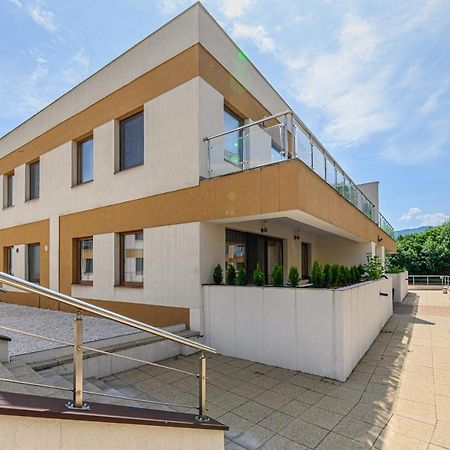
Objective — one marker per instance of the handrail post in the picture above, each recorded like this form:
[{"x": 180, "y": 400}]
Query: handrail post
[
  {"x": 202, "y": 417},
  {"x": 293, "y": 137},
  {"x": 78, "y": 365}
]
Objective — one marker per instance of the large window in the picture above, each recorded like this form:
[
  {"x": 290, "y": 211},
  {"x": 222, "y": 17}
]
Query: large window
[
  {"x": 132, "y": 259},
  {"x": 33, "y": 180},
  {"x": 233, "y": 142},
  {"x": 9, "y": 255},
  {"x": 10, "y": 186},
  {"x": 33, "y": 263},
  {"x": 248, "y": 250},
  {"x": 132, "y": 141},
  {"x": 85, "y": 161},
  {"x": 85, "y": 260}
]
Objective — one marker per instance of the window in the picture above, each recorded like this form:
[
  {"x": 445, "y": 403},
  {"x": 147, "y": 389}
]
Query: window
[
  {"x": 9, "y": 254},
  {"x": 85, "y": 161},
  {"x": 132, "y": 259},
  {"x": 235, "y": 249},
  {"x": 233, "y": 142},
  {"x": 10, "y": 185},
  {"x": 33, "y": 180},
  {"x": 85, "y": 260},
  {"x": 33, "y": 263},
  {"x": 248, "y": 250},
  {"x": 132, "y": 141}
]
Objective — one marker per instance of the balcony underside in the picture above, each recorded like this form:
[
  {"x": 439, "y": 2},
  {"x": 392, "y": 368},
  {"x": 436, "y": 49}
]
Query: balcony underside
[{"x": 291, "y": 190}]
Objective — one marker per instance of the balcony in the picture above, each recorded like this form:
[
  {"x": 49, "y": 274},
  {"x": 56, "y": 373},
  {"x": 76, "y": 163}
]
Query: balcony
[{"x": 280, "y": 137}]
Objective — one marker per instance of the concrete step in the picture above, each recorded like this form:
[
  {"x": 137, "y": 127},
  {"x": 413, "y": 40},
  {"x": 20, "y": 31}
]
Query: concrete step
[
  {"x": 10, "y": 387},
  {"x": 23, "y": 372}
]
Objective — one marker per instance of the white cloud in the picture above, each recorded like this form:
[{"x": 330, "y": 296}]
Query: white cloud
[
  {"x": 172, "y": 6},
  {"x": 235, "y": 8},
  {"x": 42, "y": 16},
  {"x": 346, "y": 85},
  {"x": 17, "y": 3},
  {"x": 430, "y": 219},
  {"x": 257, "y": 34}
]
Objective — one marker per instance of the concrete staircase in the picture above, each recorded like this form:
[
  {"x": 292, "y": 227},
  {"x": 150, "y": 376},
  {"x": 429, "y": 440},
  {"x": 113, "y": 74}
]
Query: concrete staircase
[{"x": 121, "y": 378}]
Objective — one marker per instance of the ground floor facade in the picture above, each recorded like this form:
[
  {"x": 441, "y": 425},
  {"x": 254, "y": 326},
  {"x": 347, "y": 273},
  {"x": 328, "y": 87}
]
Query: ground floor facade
[{"x": 156, "y": 274}]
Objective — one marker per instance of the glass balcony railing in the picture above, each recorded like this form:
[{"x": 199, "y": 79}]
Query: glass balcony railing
[{"x": 277, "y": 138}]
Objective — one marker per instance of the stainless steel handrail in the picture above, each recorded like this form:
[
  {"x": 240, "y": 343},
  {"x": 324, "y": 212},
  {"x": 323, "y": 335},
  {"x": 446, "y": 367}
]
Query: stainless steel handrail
[
  {"x": 13, "y": 281},
  {"x": 315, "y": 141},
  {"x": 95, "y": 350},
  {"x": 99, "y": 394},
  {"x": 424, "y": 280},
  {"x": 78, "y": 344}
]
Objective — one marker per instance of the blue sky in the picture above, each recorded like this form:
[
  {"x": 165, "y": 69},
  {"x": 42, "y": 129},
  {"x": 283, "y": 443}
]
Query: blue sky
[{"x": 370, "y": 78}]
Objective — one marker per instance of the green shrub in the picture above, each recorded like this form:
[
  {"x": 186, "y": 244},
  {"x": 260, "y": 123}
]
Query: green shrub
[
  {"x": 335, "y": 274},
  {"x": 373, "y": 268},
  {"x": 361, "y": 270},
  {"x": 327, "y": 276},
  {"x": 242, "y": 277},
  {"x": 317, "y": 275},
  {"x": 218, "y": 274},
  {"x": 344, "y": 275},
  {"x": 354, "y": 275},
  {"x": 231, "y": 274},
  {"x": 293, "y": 276},
  {"x": 258, "y": 276},
  {"x": 277, "y": 275}
]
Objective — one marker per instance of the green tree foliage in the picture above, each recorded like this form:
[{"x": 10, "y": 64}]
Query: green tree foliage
[
  {"x": 258, "y": 276},
  {"x": 335, "y": 274},
  {"x": 327, "y": 276},
  {"x": 231, "y": 274},
  {"x": 317, "y": 277},
  {"x": 294, "y": 276},
  {"x": 277, "y": 275},
  {"x": 373, "y": 268},
  {"x": 242, "y": 277},
  {"x": 218, "y": 274},
  {"x": 426, "y": 253}
]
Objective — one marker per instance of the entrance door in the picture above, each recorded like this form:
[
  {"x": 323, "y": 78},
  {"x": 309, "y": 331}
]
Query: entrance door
[
  {"x": 305, "y": 260},
  {"x": 256, "y": 253}
]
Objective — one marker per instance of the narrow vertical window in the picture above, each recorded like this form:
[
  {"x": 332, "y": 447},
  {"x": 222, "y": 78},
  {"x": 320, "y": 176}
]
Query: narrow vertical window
[
  {"x": 34, "y": 181},
  {"x": 9, "y": 254},
  {"x": 85, "y": 160},
  {"x": 10, "y": 186},
  {"x": 132, "y": 141},
  {"x": 132, "y": 259},
  {"x": 33, "y": 263},
  {"x": 86, "y": 260},
  {"x": 233, "y": 142}
]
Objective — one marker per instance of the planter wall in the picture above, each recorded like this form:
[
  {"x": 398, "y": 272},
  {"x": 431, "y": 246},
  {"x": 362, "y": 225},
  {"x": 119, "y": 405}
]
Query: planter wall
[
  {"x": 399, "y": 284},
  {"x": 319, "y": 331}
]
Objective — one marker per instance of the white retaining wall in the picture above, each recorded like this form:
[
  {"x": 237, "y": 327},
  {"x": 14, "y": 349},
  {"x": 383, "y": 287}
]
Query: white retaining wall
[
  {"x": 319, "y": 331},
  {"x": 399, "y": 284}
]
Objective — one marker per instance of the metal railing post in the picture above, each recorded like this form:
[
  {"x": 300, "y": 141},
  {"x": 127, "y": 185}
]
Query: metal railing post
[
  {"x": 293, "y": 137},
  {"x": 285, "y": 137},
  {"x": 312, "y": 152},
  {"x": 78, "y": 365},
  {"x": 202, "y": 417}
]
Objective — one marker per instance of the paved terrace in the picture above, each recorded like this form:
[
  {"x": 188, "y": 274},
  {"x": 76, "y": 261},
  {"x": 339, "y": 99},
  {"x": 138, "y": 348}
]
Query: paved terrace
[{"x": 398, "y": 397}]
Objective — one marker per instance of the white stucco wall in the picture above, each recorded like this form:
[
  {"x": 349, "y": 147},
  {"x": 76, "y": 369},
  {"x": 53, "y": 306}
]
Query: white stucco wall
[
  {"x": 318, "y": 331},
  {"x": 57, "y": 434},
  {"x": 338, "y": 250},
  {"x": 399, "y": 284}
]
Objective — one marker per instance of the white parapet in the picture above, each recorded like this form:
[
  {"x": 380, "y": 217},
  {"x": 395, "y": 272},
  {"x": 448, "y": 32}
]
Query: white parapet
[
  {"x": 320, "y": 331},
  {"x": 399, "y": 284}
]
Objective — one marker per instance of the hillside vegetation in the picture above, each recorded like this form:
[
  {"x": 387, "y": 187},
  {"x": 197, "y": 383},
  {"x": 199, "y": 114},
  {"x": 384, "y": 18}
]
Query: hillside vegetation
[{"x": 425, "y": 253}]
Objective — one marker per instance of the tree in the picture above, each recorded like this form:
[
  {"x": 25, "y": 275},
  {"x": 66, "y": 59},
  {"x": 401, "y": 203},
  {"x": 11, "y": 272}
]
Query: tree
[{"x": 425, "y": 253}]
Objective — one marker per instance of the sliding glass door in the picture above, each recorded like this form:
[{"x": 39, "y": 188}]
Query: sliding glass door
[{"x": 249, "y": 249}]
